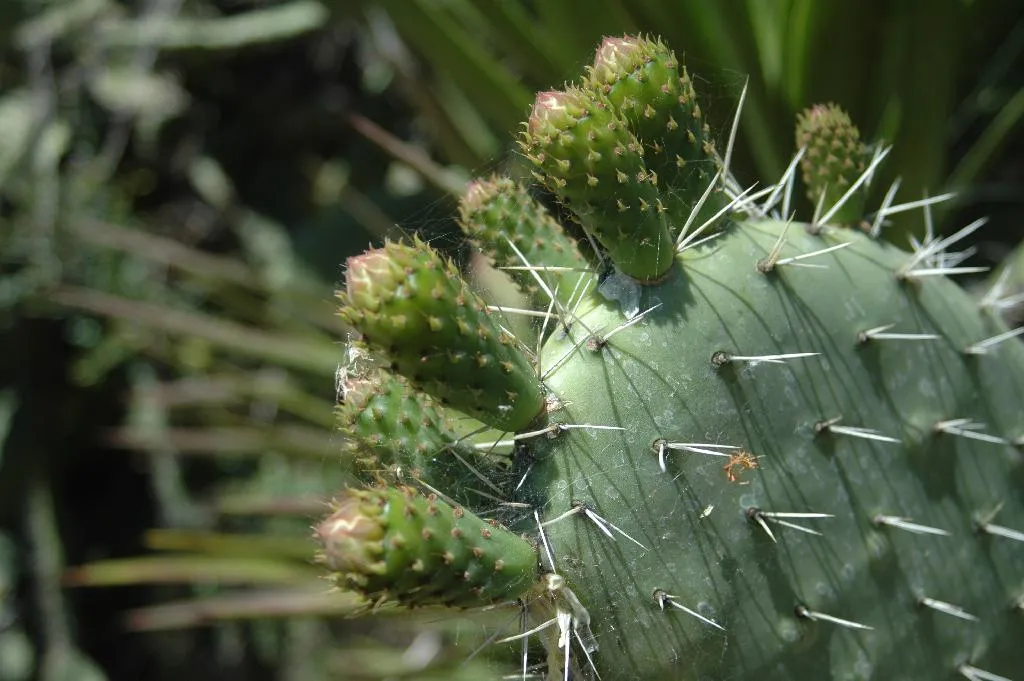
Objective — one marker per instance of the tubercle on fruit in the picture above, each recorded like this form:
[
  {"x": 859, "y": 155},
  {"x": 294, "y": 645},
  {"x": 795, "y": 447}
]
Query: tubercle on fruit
[{"x": 741, "y": 447}]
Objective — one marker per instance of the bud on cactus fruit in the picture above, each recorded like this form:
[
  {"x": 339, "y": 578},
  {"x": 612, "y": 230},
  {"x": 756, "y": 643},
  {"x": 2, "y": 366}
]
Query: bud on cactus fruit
[{"x": 742, "y": 448}]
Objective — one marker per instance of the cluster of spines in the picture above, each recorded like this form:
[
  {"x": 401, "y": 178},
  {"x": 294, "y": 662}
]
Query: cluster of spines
[{"x": 395, "y": 544}]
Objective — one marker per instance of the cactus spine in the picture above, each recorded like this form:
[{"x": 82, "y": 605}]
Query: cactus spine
[{"x": 747, "y": 448}]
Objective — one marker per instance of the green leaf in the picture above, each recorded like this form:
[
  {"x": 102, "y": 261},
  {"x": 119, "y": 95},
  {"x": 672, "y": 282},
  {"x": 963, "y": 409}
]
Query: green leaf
[
  {"x": 447, "y": 46},
  {"x": 267, "y": 25},
  {"x": 189, "y": 569}
]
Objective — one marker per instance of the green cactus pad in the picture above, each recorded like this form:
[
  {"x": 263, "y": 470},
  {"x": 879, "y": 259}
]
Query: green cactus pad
[
  {"x": 415, "y": 308},
  {"x": 501, "y": 218},
  {"x": 701, "y": 517},
  {"x": 833, "y": 159},
  {"x": 644, "y": 83},
  {"x": 395, "y": 544},
  {"x": 586, "y": 155}
]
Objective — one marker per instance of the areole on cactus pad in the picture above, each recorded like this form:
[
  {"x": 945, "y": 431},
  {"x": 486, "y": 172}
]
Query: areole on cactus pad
[{"x": 738, "y": 446}]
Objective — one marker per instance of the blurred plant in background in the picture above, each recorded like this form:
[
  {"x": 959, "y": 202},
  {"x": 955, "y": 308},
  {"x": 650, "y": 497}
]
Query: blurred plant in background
[{"x": 179, "y": 181}]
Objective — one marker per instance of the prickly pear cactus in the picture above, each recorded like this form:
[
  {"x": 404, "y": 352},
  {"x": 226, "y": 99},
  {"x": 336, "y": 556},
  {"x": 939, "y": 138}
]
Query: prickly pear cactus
[{"x": 739, "y": 446}]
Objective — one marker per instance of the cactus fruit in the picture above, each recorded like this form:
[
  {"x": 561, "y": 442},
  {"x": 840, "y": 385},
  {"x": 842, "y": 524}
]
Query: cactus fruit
[
  {"x": 437, "y": 332},
  {"x": 834, "y": 157},
  {"x": 742, "y": 448},
  {"x": 501, "y": 216},
  {"x": 422, "y": 551}
]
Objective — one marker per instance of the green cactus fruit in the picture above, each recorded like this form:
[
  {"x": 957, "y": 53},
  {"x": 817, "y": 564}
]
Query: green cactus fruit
[
  {"x": 392, "y": 429},
  {"x": 396, "y": 544},
  {"x": 413, "y": 307},
  {"x": 647, "y": 88},
  {"x": 512, "y": 228},
  {"x": 586, "y": 154},
  {"x": 794, "y": 453},
  {"x": 834, "y": 158}
]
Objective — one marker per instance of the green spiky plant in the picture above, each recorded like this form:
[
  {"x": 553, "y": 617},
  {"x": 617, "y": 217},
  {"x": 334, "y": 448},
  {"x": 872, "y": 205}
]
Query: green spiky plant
[{"x": 740, "y": 447}]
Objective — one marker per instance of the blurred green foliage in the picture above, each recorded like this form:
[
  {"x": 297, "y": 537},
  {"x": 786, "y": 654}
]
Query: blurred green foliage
[
  {"x": 940, "y": 81},
  {"x": 180, "y": 182}
]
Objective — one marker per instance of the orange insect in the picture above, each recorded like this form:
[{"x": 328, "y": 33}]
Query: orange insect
[{"x": 742, "y": 459}]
